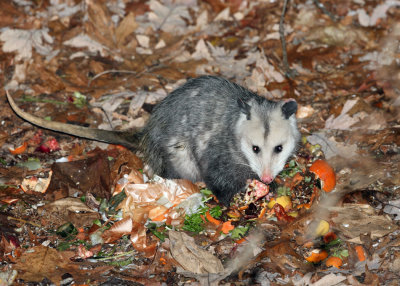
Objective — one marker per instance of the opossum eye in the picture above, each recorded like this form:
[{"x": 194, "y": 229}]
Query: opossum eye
[
  {"x": 256, "y": 149},
  {"x": 278, "y": 149}
]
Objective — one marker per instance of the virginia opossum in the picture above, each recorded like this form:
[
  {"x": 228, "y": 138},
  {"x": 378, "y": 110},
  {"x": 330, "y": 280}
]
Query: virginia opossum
[{"x": 210, "y": 130}]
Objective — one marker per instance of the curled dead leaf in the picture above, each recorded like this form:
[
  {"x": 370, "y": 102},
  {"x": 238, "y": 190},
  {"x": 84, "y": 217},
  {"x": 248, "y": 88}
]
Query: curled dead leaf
[{"x": 192, "y": 257}]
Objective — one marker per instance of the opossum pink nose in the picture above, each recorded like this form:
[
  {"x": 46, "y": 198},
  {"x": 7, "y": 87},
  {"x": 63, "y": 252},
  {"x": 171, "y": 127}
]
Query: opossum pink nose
[{"x": 266, "y": 178}]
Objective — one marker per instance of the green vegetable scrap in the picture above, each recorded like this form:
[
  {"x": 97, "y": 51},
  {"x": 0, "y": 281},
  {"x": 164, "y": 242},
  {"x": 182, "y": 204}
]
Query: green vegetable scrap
[{"x": 79, "y": 99}]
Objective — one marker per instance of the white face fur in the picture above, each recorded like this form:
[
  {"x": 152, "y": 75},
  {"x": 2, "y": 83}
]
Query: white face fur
[{"x": 267, "y": 153}]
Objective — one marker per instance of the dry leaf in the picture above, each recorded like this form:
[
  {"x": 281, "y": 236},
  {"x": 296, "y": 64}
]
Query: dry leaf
[
  {"x": 355, "y": 219},
  {"x": 42, "y": 262},
  {"x": 168, "y": 18},
  {"x": 344, "y": 121},
  {"x": 127, "y": 26},
  {"x": 88, "y": 175},
  {"x": 356, "y": 114},
  {"x": 69, "y": 210},
  {"x": 336, "y": 35},
  {"x": 84, "y": 41},
  {"x": 328, "y": 280},
  {"x": 192, "y": 257},
  {"x": 23, "y": 41},
  {"x": 119, "y": 228},
  {"x": 379, "y": 12},
  {"x": 332, "y": 148}
]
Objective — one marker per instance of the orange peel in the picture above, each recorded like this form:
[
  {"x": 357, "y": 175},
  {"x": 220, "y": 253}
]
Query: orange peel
[
  {"x": 20, "y": 149},
  {"x": 325, "y": 173},
  {"x": 334, "y": 261},
  {"x": 360, "y": 252},
  {"x": 317, "y": 255}
]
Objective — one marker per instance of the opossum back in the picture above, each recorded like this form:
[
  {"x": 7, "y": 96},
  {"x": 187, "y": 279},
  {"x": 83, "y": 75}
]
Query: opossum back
[{"x": 183, "y": 124}]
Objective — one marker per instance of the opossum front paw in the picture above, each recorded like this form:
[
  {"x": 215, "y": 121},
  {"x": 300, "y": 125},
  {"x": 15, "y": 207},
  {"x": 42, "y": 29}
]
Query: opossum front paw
[
  {"x": 224, "y": 198},
  {"x": 226, "y": 193}
]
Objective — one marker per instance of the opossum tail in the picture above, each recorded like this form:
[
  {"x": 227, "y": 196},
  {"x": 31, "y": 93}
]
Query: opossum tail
[{"x": 129, "y": 139}]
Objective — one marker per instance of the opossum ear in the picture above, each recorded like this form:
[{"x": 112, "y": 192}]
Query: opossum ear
[
  {"x": 244, "y": 107},
  {"x": 289, "y": 108}
]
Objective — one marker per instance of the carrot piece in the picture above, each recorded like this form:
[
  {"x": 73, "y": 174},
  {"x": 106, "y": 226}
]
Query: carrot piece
[
  {"x": 334, "y": 261},
  {"x": 163, "y": 260},
  {"x": 120, "y": 147},
  {"x": 297, "y": 179},
  {"x": 360, "y": 252},
  {"x": 227, "y": 226},
  {"x": 211, "y": 219},
  {"x": 203, "y": 218},
  {"x": 317, "y": 255},
  {"x": 243, "y": 239},
  {"x": 160, "y": 217},
  {"x": 214, "y": 198},
  {"x": 262, "y": 213},
  {"x": 308, "y": 244},
  {"x": 19, "y": 150},
  {"x": 243, "y": 208}
]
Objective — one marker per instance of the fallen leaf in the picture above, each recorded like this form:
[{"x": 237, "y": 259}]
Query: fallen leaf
[
  {"x": 344, "y": 121},
  {"x": 127, "y": 26},
  {"x": 332, "y": 148},
  {"x": 354, "y": 220},
  {"x": 23, "y": 41},
  {"x": 336, "y": 35},
  {"x": 330, "y": 279},
  {"x": 69, "y": 210},
  {"x": 168, "y": 18},
  {"x": 393, "y": 207},
  {"x": 41, "y": 262},
  {"x": 379, "y": 12},
  {"x": 84, "y": 41},
  {"x": 88, "y": 175},
  {"x": 119, "y": 228},
  {"x": 192, "y": 257}
]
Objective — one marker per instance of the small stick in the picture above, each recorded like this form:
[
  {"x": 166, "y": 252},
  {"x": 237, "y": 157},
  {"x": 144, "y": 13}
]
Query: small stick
[
  {"x": 289, "y": 73},
  {"x": 322, "y": 7},
  {"x": 117, "y": 255},
  {"x": 23, "y": 221},
  {"x": 110, "y": 71}
]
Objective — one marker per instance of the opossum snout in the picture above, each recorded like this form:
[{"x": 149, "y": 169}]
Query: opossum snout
[{"x": 267, "y": 178}]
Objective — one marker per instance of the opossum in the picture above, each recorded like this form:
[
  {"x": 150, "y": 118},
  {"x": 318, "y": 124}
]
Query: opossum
[{"x": 210, "y": 130}]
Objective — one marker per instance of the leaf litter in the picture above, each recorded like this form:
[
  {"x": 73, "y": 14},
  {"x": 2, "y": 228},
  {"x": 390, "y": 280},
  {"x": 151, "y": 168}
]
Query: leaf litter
[{"x": 93, "y": 215}]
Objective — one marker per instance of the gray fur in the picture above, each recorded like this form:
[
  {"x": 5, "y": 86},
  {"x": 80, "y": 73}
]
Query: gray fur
[{"x": 205, "y": 130}]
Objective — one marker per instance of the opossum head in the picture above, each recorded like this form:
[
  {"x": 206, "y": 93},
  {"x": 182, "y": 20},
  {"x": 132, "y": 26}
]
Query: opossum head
[{"x": 268, "y": 135}]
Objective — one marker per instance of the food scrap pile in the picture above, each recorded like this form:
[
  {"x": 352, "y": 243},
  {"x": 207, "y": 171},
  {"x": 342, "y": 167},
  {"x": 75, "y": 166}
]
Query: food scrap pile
[
  {"x": 305, "y": 179},
  {"x": 143, "y": 212},
  {"x": 299, "y": 184}
]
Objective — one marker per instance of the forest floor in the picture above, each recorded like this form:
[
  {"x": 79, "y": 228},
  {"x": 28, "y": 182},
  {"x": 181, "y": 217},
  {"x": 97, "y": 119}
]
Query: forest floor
[{"x": 79, "y": 212}]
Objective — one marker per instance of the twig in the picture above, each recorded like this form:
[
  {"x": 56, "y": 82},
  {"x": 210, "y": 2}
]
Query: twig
[
  {"x": 110, "y": 71},
  {"x": 117, "y": 256},
  {"x": 147, "y": 71},
  {"x": 289, "y": 73},
  {"x": 23, "y": 221},
  {"x": 108, "y": 117},
  {"x": 324, "y": 10}
]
